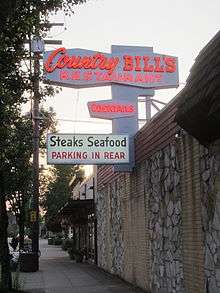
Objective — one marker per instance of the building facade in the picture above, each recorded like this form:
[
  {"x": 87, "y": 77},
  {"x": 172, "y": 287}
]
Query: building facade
[{"x": 159, "y": 226}]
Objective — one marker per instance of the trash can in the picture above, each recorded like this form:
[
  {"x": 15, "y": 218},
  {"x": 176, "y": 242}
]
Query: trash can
[{"x": 29, "y": 262}]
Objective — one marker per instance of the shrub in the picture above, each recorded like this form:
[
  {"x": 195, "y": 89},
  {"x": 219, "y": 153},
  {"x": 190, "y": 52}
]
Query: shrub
[
  {"x": 75, "y": 254},
  {"x": 67, "y": 243},
  {"x": 57, "y": 241},
  {"x": 50, "y": 241},
  {"x": 71, "y": 252}
]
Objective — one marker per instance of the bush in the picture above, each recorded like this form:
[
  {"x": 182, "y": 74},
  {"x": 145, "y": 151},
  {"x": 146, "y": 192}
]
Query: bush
[
  {"x": 50, "y": 241},
  {"x": 57, "y": 241},
  {"x": 71, "y": 252},
  {"x": 67, "y": 243},
  {"x": 75, "y": 254}
]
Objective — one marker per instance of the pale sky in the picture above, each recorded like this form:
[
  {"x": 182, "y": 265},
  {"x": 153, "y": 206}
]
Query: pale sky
[{"x": 172, "y": 27}]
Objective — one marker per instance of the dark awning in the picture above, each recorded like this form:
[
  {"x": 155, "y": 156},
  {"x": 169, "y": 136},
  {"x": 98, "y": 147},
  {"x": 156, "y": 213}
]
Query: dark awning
[
  {"x": 77, "y": 211},
  {"x": 198, "y": 107}
]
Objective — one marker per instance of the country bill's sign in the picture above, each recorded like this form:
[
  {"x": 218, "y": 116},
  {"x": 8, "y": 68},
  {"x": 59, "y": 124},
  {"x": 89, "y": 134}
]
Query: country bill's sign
[
  {"x": 85, "y": 68},
  {"x": 87, "y": 149},
  {"x": 108, "y": 109}
]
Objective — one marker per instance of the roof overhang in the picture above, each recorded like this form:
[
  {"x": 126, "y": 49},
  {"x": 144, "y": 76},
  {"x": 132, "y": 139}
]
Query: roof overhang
[
  {"x": 198, "y": 107},
  {"x": 77, "y": 211}
]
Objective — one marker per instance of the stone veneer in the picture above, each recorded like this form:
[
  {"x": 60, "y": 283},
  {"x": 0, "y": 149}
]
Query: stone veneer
[
  {"x": 163, "y": 187},
  {"x": 165, "y": 253},
  {"x": 109, "y": 225}
]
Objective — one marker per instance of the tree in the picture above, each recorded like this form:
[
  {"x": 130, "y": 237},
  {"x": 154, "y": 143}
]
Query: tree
[
  {"x": 58, "y": 190},
  {"x": 21, "y": 182},
  {"x": 18, "y": 19}
]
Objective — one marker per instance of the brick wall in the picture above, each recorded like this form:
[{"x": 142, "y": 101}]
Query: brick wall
[
  {"x": 193, "y": 252},
  {"x": 150, "y": 221}
]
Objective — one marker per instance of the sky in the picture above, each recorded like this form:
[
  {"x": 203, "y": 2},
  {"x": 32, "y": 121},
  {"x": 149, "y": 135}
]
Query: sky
[{"x": 172, "y": 27}]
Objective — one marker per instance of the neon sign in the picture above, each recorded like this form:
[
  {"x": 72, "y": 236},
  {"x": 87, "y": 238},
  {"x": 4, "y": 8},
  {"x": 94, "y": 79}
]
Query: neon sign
[
  {"x": 131, "y": 71},
  {"x": 86, "y": 68},
  {"x": 107, "y": 109},
  {"x": 112, "y": 108},
  {"x": 101, "y": 62}
]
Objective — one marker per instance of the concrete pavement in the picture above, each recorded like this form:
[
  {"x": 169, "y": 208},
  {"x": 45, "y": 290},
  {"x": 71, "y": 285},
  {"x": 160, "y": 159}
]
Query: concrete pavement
[{"x": 59, "y": 274}]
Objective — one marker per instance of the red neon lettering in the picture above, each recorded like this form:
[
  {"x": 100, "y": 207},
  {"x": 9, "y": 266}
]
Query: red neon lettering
[
  {"x": 62, "y": 61},
  {"x": 170, "y": 64},
  {"x": 59, "y": 59},
  {"x": 106, "y": 76},
  {"x": 48, "y": 64},
  {"x": 149, "y": 78},
  {"x": 75, "y": 75},
  {"x": 98, "y": 75},
  {"x": 128, "y": 63},
  {"x": 78, "y": 62},
  {"x": 147, "y": 67},
  {"x": 111, "y": 108},
  {"x": 158, "y": 66},
  {"x": 138, "y": 63},
  {"x": 128, "y": 77},
  {"x": 74, "y": 62},
  {"x": 63, "y": 74},
  {"x": 139, "y": 78},
  {"x": 87, "y": 75},
  {"x": 93, "y": 108},
  {"x": 131, "y": 108},
  {"x": 158, "y": 77}
]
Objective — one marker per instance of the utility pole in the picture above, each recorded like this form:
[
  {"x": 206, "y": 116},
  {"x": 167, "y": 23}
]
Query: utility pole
[
  {"x": 95, "y": 222},
  {"x": 37, "y": 47}
]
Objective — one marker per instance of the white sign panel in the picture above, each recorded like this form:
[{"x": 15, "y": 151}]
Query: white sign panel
[{"x": 87, "y": 149}]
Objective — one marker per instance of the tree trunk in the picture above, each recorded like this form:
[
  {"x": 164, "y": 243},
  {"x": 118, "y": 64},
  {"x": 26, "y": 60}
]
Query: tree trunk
[
  {"x": 21, "y": 226},
  {"x": 6, "y": 280}
]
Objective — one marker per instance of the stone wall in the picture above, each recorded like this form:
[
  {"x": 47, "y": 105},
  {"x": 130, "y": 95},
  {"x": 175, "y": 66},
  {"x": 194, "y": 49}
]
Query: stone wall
[
  {"x": 163, "y": 187},
  {"x": 109, "y": 225},
  {"x": 159, "y": 227},
  {"x": 139, "y": 224}
]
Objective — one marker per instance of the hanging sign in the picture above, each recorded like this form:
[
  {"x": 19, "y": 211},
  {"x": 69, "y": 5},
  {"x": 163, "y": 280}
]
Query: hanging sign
[
  {"x": 107, "y": 109},
  {"x": 85, "y": 68},
  {"x": 87, "y": 149}
]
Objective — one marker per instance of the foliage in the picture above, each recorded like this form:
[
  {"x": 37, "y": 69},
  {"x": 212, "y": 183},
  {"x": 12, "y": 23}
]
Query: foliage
[
  {"x": 58, "y": 189},
  {"x": 67, "y": 243},
  {"x": 20, "y": 187},
  {"x": 76, "y": 254},
  {"x": 19, "y": 19}
]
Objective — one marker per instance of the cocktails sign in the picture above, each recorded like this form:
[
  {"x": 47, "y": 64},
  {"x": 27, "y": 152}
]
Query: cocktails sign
[
  {"x": 107, "y": 109},
  {"x": 86, "y": 68},
  {"x": 87, "y": 149}
]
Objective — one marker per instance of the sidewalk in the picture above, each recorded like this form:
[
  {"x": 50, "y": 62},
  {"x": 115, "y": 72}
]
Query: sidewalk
[{"x": 58, "y": 274}]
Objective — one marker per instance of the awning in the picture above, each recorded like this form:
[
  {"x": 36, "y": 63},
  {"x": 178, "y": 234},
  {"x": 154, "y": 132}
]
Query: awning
[
  {"x": 77, "y": 211},
  {"x": 198, "y": 107}
]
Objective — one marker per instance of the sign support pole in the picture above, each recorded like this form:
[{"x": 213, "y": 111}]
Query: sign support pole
[
  {"x": 35, "y": 117},
  {"x": 148, "y": 108}
]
